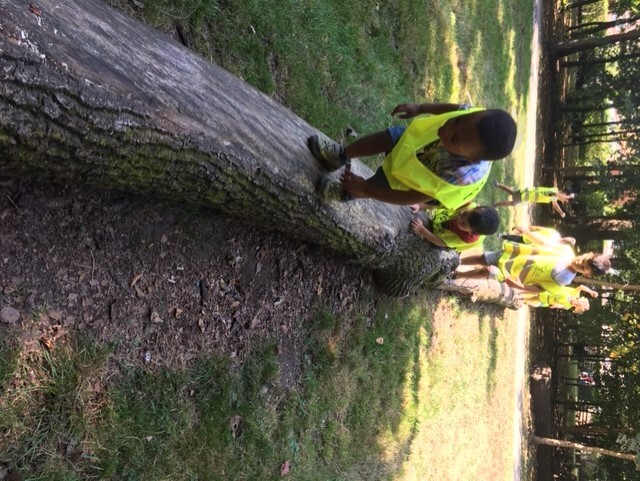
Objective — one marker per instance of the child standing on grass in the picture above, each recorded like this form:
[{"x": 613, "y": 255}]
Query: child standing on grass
[
  {"x": 534, "y": 268},
  {"x": 437, "y": 158},
  {"x": 538, "y": 195},
  {"x": 564, "y": 297},
  {"x": 458, "y": 229}
]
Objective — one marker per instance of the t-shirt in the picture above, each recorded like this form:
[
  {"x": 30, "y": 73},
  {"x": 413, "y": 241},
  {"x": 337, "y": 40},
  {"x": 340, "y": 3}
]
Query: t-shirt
[
  {"x": 467, "y": 237},
  {"x": 451, "y": 168},
  {"x": 562, "y": 275}
]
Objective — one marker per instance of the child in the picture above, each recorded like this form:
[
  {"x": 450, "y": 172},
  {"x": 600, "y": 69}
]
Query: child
[
  {"x": 436, "y": 158},
  {"x": 535, "y": 268},
  {"x": 538, "y": 195},
  {"x": 537, "y": 235},
  {"x": 459, "y": 229},
  {"x": 561, "y": 298}
]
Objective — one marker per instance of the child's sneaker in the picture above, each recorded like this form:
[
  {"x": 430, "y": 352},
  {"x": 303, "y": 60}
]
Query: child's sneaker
[{"x": 327, "y": 152}]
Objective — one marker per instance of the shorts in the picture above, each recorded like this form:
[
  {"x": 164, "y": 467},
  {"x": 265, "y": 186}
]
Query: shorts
[
  {"x": 492, "y": 257},
  {"x": 379, "y": 178},
  {"x": 396, "y": 132}
]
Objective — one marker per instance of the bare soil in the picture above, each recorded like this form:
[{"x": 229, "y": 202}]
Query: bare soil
[{"x": 165, "y": 283}]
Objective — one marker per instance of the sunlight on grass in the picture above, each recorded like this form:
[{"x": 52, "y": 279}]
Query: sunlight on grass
[{"x": 465, "y": 375}]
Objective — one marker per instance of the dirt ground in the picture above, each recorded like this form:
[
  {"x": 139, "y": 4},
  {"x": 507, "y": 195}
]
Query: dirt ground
[
  {"x": 543, "y": 324},
  {"x": 164, "y": 283}
]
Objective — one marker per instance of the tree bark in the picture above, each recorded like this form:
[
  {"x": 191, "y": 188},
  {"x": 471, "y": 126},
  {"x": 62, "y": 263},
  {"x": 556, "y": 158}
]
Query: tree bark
[
  {"x": 485, "y": 290},
  {"x": 90, "y": 96},
  {"x": 598, "y": 61},
  {"x": 562, "y": 49},
  {"x": 560, "y": 443}
]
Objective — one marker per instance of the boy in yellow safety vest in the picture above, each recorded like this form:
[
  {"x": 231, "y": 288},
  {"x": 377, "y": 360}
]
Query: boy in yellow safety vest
[
  {"x": 534, "y": 268},
  {"x": 536, "y": 195},
  {"x": 442, "y": 158},
  {"x": 458, "y": 229},
  {"x": 563, "y": 297}
]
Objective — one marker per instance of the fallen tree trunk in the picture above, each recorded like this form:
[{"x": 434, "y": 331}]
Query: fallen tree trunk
[
  {"x": 484, "y": 290},
  {"x": 90, "y": 96}
]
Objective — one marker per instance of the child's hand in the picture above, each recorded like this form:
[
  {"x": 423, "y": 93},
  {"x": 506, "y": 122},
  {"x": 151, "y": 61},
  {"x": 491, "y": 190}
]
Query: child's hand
[
  {"x": 406, "y": 111},
  {"x": 354, "y": 184},
  {"x": 417, "y": 226},
  {"x": 514, "y": 281}
]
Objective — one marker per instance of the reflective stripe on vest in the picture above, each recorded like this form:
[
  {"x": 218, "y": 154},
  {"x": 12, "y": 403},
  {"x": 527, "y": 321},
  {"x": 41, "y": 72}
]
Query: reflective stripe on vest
[
  {"x": 560, "y": 296},
  {"x": 533, "y": 264},
  {"x": 538, "y": 195},
  {"x": 405, "y": 172}
]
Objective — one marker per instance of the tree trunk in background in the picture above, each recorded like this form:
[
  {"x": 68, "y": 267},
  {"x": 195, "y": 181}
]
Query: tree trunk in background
[
  {"x": 89, "y": 96},
  {"x": 562, "y": 49},
  {"x": 560, "y": 443}
]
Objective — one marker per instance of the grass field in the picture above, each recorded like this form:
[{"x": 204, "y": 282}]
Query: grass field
[{"x": 423, "y": 391}]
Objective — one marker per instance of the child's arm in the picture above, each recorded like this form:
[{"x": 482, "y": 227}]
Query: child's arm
[
  {"x": 556, "y": 207},
  {"x": 358, "y": 187},
  {"x": 591, "y": 292},
  {"x": 418, "y": 206},
  {"x": 534, "y": 236},
  {"x": 418, "y": 227},
  {"x": 407, "y": 111}
]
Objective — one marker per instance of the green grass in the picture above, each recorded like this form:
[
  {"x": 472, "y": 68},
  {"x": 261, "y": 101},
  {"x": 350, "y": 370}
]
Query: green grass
[
  {"x": 425, "y": 403},
  {"x": 371, "y": 391}
]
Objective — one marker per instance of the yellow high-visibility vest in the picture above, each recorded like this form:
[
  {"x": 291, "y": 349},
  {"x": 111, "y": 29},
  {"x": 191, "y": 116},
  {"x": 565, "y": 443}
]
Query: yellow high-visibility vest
[
  {"x": 450, "y": 238},
  {"x": 533, "y": 264},
  {"x": 550, "y": 235},
  {"x": 562, "y": 296},
  {"x": 538, "y": 195},
  {"x": 405, "y": 172}
]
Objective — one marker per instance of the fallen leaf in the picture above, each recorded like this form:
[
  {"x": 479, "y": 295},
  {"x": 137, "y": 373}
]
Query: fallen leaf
[
  {"x": 46, "y": 342},
  {"x": 236, "y": 426},
  {"x": 380, "y": 340},
  {"x": 284, "y": 468},
  {"x": 35, "y": 10},
  {"x": 135, "y": 279}
]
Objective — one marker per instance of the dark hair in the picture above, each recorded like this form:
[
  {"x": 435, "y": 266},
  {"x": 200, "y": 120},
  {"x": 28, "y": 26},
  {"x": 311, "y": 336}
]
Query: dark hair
[
  {"x": 484, "y": 220},
  {"x": 600, "y": 265},
  {"x": 497, "y": 131}
]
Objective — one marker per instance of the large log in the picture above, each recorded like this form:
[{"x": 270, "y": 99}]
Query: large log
[{"x": 91, "y": 96}]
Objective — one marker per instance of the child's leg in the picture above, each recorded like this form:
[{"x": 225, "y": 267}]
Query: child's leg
[
  {"x": 473, "y": 260},
  {"x": 564, "y": 197},
  {"x": 482, "y": 272},
  {"x": 333, "y": 155},
  {"x": 378, "y": 143},
  {"x": 556, "y": 207},
  {"x": 505, "y": 188}
]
